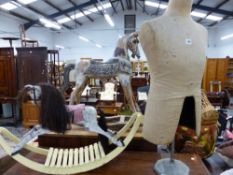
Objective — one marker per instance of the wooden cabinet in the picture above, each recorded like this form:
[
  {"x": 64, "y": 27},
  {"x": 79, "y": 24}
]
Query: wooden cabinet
[
  {"x": 31, "y": 65},
  {"x": 215, "y": 70},
  {"x": 7, "y": 73},
  {"x": 30, "y": 113},
  {"x": 229, "y": 76}
]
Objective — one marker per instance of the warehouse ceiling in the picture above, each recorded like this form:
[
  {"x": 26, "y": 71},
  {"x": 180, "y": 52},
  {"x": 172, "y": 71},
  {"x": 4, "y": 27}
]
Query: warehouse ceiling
[{"x": 71, "y": 14}]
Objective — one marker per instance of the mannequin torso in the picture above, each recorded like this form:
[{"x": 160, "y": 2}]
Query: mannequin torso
[{"x": 175, "y": 49}]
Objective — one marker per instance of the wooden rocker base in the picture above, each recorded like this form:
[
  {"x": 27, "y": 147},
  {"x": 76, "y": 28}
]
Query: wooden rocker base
[{"x": 71, "y": 161}]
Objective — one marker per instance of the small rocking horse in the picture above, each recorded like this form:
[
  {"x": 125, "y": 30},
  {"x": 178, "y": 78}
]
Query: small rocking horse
[
  {"x": 118, "y": 66},
  {"x": 55, "y": 115}
]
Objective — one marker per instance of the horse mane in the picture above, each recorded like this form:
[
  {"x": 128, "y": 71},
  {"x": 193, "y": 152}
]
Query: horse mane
[{"x": 53, "y": 113}]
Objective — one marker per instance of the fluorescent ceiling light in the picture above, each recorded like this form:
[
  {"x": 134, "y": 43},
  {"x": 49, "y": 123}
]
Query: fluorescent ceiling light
[
  {"x": 214, "y": 18},
  {"x": 154, "y": 4},
  {"x": 77, "y": 15},
  {"x": 198, "y": 14},
  {"x": 86, "y": 12},
  {"x": 227, "y": 37},
  {"x": 26, "y": 1},
  {"x": 83, "y": 38},
  {"x": 59, "y": 47},
  {"x": 109, "y": 20},
  {"x": 8, "y": 6},
  {"x": 98, "y": 45},
  {"x": 49, "y": 24},
  {"x": 63, "y": 20}
]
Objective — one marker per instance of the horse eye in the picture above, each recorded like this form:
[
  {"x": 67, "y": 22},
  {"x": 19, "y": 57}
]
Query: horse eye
[{"x": 135, "y": 41}]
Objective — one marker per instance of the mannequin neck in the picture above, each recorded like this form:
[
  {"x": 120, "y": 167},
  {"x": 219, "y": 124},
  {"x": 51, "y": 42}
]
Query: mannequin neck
[{"x": 179, "y": 8}]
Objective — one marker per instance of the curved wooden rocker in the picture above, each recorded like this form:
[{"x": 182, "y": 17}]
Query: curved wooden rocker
[{"x": 71, "y": 161}]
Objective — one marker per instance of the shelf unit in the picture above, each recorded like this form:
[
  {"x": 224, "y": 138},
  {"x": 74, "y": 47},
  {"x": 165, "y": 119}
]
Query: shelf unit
[
  {"x": 229, "y": 76},
  {"x": 55, "y": 68}
]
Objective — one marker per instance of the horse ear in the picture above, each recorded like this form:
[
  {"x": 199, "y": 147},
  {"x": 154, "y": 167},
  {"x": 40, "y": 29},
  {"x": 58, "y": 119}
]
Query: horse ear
[{"x": 135, "y": 34}]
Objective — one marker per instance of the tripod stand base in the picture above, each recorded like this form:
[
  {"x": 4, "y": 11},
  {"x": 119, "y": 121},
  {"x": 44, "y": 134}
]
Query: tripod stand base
[{"x": 168, "y": 167}]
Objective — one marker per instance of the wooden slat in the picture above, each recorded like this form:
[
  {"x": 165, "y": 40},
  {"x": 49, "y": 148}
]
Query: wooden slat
[
  {"x": 97, "y": 152},
  {"x": 102, "y": 153},
  {"x": 54, "y": 158},
  {"x": 48, "y": 159},
  {"x": 81, "y": 158},
  {"x": 65, "y": 158},
  {"x": 76, "y": 156},
  {"x": 91, "y": 152},
  {"x": 59, "y": 159},
  {"x": 71, "y": 160},
  {"x": 86, "y": 154}
]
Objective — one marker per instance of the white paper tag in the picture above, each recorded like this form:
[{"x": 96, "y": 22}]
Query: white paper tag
[{"x": 188, "y": 41}]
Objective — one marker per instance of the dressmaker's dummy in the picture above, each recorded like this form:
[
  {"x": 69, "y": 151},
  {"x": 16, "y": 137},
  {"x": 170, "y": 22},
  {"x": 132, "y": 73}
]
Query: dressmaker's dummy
[{"x": 175, "y": 47}]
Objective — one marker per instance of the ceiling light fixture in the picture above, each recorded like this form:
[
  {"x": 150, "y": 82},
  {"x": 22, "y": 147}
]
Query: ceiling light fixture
[
  {"x": 25, "y": 2},
  {"x": 198, "y": 14},
  {"x": 98, "y": 45},
  {"x": 8, "y": 6},
  {"x": 227, "y": 37},
  {"x": 59, "y": 46},
  {"x": 83, "y": 38},
  {"x": 154, "y": 4},
  {"x": 109, "y": 20},
  {"x": 214, "y": 18},
  {"x": 86, "y": 12},
  {"x": 49, "y": 24},
  {"x": 193, "y": 13}
]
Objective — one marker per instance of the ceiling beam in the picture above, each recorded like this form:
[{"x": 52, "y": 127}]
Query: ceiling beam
[
  {"x": 17, "y": 15},
  {"x": 127, "y": 4},
  {"x": 68, "y": 10},
  {"x": 218, "y": 6},
  {"x": 58, "y": 9},
  {"x": 100, "y": 11},
  {"x": 135, "y": 5},
  {"x": 206, "y": 8},
  {"x": 122, "y": 5},
  {"x": 143, "y": 7},
  {"x": 36, "y": 12},
  {"x": 130, "y": 5},
  {"x": 113, "y": 7},
  {"x": 198, "y": 3},
  {"x": 87, "y": 16}
]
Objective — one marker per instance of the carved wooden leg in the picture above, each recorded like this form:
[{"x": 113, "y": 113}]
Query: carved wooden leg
[{"x": 128, "y": 93}]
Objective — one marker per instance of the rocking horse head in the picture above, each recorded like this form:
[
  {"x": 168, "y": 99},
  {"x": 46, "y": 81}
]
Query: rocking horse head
[
  {"x": 53, "y": 113},
  {"x": 132, "y": 44},
  {"x": 128, "y": 42}
]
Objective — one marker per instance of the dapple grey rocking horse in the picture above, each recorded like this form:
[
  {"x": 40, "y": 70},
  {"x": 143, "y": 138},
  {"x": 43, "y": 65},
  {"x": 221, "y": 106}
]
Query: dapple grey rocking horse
[{"x": 118, "y": 66}]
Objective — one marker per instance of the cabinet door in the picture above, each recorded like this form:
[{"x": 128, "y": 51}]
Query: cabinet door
[
  {"x": 216, "y": 70},
  {"x": 222, "y": 70},
  {"x": 7, "y": 73},
  {"x": 31, "y": 63}
]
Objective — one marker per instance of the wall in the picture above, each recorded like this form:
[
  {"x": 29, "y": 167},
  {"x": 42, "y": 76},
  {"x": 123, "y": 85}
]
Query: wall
[
  {"x": 9, "y": 27},
  {"x": 220, "y": 48},
  {"x": 99, "y": 31}
]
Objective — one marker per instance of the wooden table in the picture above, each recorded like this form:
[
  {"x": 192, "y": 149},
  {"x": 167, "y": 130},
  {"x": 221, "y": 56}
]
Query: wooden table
[
  {"x": 127, "y": 163},
  {"x": 79, "y": 137}
]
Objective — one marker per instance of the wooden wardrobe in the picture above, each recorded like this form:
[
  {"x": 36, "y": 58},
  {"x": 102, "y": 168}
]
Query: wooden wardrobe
[
  {"x": 215, "y": 70},
  {"x": 31, "y": 65},
  {"x": 8, "y": 85}
]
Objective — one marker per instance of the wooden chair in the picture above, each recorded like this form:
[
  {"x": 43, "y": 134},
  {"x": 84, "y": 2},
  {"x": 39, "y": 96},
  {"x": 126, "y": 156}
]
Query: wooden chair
[{"x": 71, "y": 161}]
